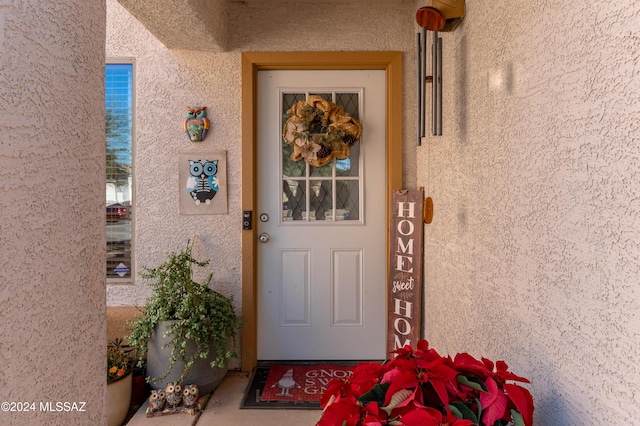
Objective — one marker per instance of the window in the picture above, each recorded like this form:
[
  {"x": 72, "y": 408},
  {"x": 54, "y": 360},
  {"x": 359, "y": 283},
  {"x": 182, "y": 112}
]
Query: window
[
  {"x": 119, "y": 155},
  {"x": 330, "y": 193}
]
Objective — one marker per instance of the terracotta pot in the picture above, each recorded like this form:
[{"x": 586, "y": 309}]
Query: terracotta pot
[
  {"x": 140, "y": 388},
  {"x": 201, "y": 373},
  {"x": 118, "y": 399}
]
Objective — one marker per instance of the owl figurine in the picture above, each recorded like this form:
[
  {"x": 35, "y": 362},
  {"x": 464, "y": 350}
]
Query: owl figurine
[
  {"x": 156, "y": 402},
  {"x": 202, "y": 184},
  {"x": 190, "y": 397},
  {"x": 197, "y": 124},
  {"x": 173, "y": 395}
]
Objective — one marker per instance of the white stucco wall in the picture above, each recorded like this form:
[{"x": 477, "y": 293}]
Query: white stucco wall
[
  {"x": 52, "y": 241},
  {"x": 166, "y": 82},
  {"x": 533, "y": 255},
  {"x": 169, "y": 80}
]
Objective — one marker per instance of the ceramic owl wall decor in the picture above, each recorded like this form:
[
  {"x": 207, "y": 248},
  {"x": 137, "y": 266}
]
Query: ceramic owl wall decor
[
  {"x": 197, "y": 124},
  {"x": 202, "y": 184}
]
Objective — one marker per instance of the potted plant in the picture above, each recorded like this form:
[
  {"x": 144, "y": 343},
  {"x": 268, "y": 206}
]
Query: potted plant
[
  {"x": 421, "y": 388},
  {"x": 186, "y": 330},
  {"x": 118, "y": 384}
]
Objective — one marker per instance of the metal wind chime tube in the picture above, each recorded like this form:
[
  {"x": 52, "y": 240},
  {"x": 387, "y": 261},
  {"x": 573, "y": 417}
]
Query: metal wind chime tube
[
  {"x": 439, "y": 111},
  {"x": 420, "y": 101},
  {"x": 423, "y": 79},
  {"x": 421, "y": 68},
  {"x": 434, "y": 90}
]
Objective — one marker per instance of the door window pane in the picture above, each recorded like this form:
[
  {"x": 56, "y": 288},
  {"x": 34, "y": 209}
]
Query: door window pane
[
  {"x": 294, "y": 200},
  {"x": 321, "y": 200},
  {"x": 349, "y": 166},
  {"x": 350, "y": 103},
  {"x": 347, "y": 200},
  {"x": 330, "y": 193},
  {"x": 291, "y": 168}
]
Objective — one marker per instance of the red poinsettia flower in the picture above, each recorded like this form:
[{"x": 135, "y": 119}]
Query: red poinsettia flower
[
  {"x": 345, "y": 412},
  {"x": 440, "y": 374},
  {"x": 422, "y": 388},
  {"x": 467, "y": 363},
  {"x": 522, "y": 400},
  {"x": 365, "y": 376},
  {"x": 403, "y": 353},
  {"x": 501, "y": 375},
  {"x": 414, "y": 415},
  {"x": 399, "y": 378},
  {"x": 426, "y": 353},
  {"x": 336, "y": 390},
  {"x": 373, "y": 416},
  {"x": 494, "y": 402}
]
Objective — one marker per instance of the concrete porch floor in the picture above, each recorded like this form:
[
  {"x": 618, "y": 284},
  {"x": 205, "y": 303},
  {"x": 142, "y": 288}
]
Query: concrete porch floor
[{"x": 223, "y": 408}]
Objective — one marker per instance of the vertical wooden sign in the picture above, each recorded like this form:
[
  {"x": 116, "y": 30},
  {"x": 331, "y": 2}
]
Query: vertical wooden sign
[{"x": 405, "y": 269}]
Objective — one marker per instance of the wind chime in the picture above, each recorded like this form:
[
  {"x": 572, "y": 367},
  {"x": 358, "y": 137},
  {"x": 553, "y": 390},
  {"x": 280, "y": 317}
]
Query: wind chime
[{"x": 437, "y": 16}]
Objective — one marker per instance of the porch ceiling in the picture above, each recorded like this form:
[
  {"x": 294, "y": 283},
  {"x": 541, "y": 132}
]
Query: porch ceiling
[
  {"x": 183, "y": 24},
  {"x": 200, "y": 24}
]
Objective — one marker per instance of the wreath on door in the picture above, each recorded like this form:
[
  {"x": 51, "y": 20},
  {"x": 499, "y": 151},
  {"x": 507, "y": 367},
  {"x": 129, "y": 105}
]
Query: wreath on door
[{"x": 320, "y": 131}]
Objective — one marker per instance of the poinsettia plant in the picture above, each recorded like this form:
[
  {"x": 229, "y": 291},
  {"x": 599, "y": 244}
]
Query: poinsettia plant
[{"x": 422, "y": 388}]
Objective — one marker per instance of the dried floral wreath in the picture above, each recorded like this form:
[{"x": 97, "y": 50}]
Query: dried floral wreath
[{"x": 319, "y": 131}]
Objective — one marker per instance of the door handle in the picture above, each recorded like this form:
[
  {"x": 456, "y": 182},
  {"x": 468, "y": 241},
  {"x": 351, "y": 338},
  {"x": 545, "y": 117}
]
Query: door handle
[{"x": 264, "y": 237}]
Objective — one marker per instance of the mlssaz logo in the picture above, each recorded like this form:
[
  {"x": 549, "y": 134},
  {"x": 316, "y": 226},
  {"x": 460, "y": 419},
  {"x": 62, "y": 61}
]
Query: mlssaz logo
[{"x": 66, "y": 406}]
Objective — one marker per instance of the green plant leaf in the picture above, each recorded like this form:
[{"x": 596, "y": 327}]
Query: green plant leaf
[
  {"x": 455, "y": 411},
  {"x": 376, "y": 394},
  {"x": 517, "y": 418},
  {"x": 472, "y": 382},
  {"x": 200, "y": 314},
  {"x": 462, "y": 411}
]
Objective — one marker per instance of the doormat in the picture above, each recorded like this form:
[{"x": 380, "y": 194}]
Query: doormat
[{"x": 292, "y": 385}]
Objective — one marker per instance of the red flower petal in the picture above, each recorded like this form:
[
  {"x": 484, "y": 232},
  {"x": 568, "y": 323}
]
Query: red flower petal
[
  {"x": 399, "y": 379},
  {"x": 503, "y": 374},
  {"x": 523, "y": 401},
  {"x": 345, "y": 410},
  {"x": 467, "y": 363},
  {"x": 422, "y": 417},
  {"x": 494, "y": 403}
]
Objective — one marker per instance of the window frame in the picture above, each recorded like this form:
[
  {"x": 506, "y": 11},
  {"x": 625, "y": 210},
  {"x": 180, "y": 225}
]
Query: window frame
[
  {"x": 307, "y": 177},
  {"x": 131, "y": 61}
]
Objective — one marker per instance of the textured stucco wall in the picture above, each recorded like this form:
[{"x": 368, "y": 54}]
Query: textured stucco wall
[
  {"x": 534, "y": 251},
  {"x": 52, "y": 241},
  {"x": 169, "y": 80},
  {"x": 359, "y": 25},
  {"x": 184, "y": 24}
]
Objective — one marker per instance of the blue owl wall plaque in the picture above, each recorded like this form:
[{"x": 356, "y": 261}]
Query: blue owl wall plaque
[
  {"x": 203, "y": 182},
  {"x": 203, "y": 186}
]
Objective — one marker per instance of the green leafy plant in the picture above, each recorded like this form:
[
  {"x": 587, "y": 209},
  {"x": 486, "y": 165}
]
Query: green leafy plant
[
  {"x": 198, "y": 314},
  {"x": 421, "y": 388},
  {"x": 118, "y": 362}
]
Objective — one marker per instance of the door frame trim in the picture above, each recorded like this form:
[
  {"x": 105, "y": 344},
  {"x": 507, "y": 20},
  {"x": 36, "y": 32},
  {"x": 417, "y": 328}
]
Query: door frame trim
[{"x": 252, "y": 62}]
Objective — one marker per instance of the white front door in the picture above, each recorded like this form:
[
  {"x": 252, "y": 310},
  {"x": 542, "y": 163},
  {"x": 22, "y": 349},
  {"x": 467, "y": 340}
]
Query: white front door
[{"x": 322, "y": 272}]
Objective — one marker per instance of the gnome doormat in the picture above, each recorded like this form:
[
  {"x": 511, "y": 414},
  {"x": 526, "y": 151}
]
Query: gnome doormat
[
  {"x": 292, "y": 385},
  {"x": 301, "y": 382}
]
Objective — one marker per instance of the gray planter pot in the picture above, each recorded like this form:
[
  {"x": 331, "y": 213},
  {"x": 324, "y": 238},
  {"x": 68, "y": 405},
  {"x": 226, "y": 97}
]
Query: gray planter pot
[{"x": 201, "y": 374}]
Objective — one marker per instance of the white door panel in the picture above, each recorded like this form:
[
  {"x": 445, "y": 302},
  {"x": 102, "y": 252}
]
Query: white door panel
[{"x": 321, "y": 275}]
